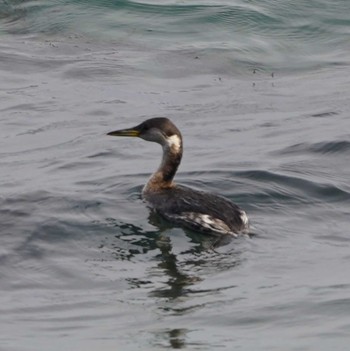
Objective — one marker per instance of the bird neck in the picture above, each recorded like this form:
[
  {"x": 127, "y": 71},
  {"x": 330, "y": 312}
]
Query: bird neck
[{"x": 163, "y": 177}]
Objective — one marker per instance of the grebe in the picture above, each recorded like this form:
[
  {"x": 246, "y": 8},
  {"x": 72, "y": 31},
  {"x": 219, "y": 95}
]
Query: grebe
[{"x": 196, "y": 210}]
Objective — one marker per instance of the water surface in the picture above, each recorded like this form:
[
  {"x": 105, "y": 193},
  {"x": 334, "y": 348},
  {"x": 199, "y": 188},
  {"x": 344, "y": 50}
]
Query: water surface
[{"x": 259, "y": 90}]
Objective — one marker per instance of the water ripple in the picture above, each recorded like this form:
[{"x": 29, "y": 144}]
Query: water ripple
[
  {"x": 257, "y": 34},
  {"x": 291, "y": 189},
  {"x": 323, "y": 148}
]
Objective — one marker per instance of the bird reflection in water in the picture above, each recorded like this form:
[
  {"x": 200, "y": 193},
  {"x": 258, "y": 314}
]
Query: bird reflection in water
[
  {"x": 171, "y": 338},
  {"x": 183, "y": 271}
]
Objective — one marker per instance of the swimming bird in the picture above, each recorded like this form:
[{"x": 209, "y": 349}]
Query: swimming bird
[{"x": 197, "y": 210}]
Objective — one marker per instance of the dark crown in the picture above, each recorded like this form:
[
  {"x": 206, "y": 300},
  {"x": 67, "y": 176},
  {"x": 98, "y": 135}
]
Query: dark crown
[{"x": 162, "y": 123}]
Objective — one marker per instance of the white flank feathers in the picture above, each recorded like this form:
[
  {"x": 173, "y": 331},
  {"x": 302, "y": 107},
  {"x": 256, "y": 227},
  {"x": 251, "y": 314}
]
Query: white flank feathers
[
  {"x": 244, "y": 218},
  {"x": 206, "y": 221}
]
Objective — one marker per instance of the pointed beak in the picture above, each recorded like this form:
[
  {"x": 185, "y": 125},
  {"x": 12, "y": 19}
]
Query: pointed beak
[{"x": 125, "y": 132}]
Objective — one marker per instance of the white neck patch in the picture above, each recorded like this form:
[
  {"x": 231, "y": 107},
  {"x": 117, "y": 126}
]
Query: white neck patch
[{"x": 174, "y": 142}]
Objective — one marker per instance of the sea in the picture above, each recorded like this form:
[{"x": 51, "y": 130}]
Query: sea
[{"x": 260, "y": 90}]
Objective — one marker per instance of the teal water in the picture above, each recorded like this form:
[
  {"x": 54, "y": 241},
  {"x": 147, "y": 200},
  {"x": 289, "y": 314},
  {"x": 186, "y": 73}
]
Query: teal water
[
  {"x": 234, "y": 35},
  {"x": 260, "y": 91}
]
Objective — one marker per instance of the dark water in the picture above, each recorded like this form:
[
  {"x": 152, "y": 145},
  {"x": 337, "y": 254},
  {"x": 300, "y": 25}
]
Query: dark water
[{"x": 260, "y": 90}]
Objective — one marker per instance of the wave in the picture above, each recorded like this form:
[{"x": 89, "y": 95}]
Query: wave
[
  {"x": 323, "y": 148},
  {"x": 262, "y": 35},
  {"x": 263, "y": 190}
]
